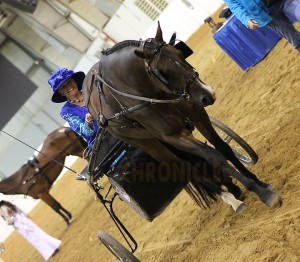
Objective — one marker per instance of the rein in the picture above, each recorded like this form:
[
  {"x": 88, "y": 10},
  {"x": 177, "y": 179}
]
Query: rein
[
  {"x": 147, "y": 101},
  {"x": 141, "y": 98}
]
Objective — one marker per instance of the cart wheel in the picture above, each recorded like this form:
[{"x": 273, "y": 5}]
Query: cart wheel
[
  {"x": 240, "y": 147},
  {"x": 115, "y": 247}
]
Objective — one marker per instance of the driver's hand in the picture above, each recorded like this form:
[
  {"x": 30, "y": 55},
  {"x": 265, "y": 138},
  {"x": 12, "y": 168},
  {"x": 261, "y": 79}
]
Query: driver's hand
[
  {"x": 252, "y": 24},
  {"x": 88, "y": 119}
]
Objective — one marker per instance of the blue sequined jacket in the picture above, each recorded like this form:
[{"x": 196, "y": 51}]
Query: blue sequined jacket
[{"x": 75, "y": 116}]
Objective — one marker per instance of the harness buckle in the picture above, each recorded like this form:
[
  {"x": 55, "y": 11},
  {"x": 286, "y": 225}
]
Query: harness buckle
[{"x": 186, "y": 96}]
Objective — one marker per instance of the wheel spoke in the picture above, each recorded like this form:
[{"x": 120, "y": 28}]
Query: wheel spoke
[{"x": 240, "y": 147}]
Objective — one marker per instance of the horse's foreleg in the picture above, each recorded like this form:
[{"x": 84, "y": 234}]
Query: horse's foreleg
[
  {"x": 216, "y": 160},
  {"x": 266, "y": 195},
  {"x": 56, "y": 206},
  {"x": 203, "y": 124}
]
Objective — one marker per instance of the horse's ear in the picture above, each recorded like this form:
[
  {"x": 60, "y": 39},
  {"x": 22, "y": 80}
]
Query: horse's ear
[
  {"x": 173, "y": 38},
  {"x": 158, "y": 35}
]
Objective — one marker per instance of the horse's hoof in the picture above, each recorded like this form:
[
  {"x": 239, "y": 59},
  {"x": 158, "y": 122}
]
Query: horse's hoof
[
  {"x": 70, "y": 221},
  {"x": 274, "y": 200},
  {"x": 241, "y": 208}
]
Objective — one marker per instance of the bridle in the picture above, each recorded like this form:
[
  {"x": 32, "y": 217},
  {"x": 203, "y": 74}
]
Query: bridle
[{"x": 158, "y": 51}]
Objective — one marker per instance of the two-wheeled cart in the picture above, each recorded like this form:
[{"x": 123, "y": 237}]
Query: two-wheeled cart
[{"x": 147, "y": 198}]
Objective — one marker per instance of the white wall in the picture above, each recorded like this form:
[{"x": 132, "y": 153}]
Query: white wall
[
  {"x": 182, "y": 18},
  {"x": 128, "y": 23}
]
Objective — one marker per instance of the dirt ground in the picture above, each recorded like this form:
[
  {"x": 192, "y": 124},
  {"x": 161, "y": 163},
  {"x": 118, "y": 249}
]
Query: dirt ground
[{"x": 261, "y": 105}]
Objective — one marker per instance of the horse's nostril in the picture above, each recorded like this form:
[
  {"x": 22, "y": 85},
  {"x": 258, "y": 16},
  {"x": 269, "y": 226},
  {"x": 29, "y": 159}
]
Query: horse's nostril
[{"x": 208, "y": 100}]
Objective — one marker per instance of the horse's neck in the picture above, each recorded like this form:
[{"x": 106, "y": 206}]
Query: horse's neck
[
  {"x": 74, "y": 147},
  {"x": 61, "y": 145},
  {"x": 131, "y": 71}
]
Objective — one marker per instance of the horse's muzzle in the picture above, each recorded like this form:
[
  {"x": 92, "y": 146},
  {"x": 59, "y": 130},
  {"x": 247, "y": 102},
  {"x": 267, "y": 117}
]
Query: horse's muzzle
[
  {"x": 207, "y": 100},
  {"x": 209, "y": 95},
  {"x": 203, "y": 94}
]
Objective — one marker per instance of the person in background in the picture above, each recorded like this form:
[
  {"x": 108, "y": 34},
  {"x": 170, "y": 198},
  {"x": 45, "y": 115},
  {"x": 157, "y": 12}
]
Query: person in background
[
  {"x": 67, "y": 86},
  {"x": 279, "y": 15},
  {"x": 45, "y": 244}
]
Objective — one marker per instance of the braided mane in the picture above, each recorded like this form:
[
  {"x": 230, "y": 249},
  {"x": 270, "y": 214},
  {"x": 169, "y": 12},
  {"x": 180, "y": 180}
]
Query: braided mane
[{"x": 121, "y": 45}]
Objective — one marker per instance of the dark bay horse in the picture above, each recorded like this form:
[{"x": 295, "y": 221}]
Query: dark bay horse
[
  {"x": 36, "y": 177},
  {"x": 147, "y": 94}
]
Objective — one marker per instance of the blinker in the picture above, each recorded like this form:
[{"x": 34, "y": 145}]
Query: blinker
[{"x": 183, "y": 47}]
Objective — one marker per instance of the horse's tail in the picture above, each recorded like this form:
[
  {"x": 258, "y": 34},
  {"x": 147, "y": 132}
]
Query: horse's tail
[
  {"x": 205, "y": 185},
  {"x": 201, "y": 188},
  {"x": 201, "y": 193}
]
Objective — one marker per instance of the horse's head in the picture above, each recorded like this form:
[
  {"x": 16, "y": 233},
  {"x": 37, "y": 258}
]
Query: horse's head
[{"x": 167, "y": 62}]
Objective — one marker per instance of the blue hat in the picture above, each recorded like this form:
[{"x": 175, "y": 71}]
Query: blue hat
[{"x": 60, "y": 76}]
